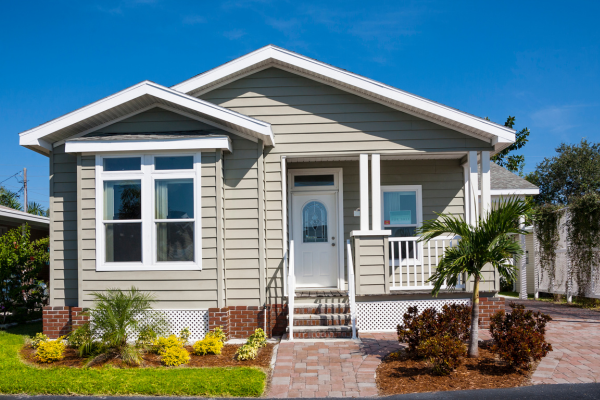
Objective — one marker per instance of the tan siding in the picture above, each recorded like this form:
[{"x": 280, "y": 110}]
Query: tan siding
[
  {"x": 311, "y": 117},
  {"x": 241, "y": 223},
  {"x": 173, "y": 289},
  {"x": 155, "y": 120},
  {"x": 63, "y": 225}
]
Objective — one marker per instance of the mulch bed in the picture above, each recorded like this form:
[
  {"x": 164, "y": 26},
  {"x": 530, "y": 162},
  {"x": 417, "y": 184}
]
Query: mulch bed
[
  {"x": 404, "y": 375},
  {"x": 225, "y": 359}
]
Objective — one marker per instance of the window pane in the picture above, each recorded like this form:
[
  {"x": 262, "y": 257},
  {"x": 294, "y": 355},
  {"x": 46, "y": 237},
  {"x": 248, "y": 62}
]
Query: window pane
[
  {"x": 175, "y": 241},
  {"x": 123, "y": 164},
  {"x": 185, "y": 162},
  {"x": 174, "y": 198},
  {"x": 314, "y": 223},
  {"x": 313, "y": 180},
  {"x": 124, "y": 242},
  {"x": 399, "y": 208},
  {"x": 122, "y": 199}
]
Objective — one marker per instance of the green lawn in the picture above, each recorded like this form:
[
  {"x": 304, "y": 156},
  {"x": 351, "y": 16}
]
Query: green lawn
[{"x": 17, "y": 377}]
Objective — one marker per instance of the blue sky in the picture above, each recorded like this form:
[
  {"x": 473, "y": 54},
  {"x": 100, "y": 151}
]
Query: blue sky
[{"x": 539, "y": 61}]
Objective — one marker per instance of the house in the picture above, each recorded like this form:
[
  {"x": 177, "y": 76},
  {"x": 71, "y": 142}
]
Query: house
[
  {"x": 11, "y": 218},
  {"x": 272, "y": 180}
]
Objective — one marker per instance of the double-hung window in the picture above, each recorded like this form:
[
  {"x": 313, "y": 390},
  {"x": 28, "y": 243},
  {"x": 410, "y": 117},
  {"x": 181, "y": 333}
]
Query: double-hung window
[
  {"x": 148, "y": 212},
  {"x": 402, "y": 213}
]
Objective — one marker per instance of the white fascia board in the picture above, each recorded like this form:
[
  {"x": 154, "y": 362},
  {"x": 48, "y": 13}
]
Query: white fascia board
[
  {"x": 16, "y": 214},
  {"x": 500, "y": 133},
  {"x": 510, "y": 192},
  {"x": 32, "y": 136},
  {"x": 104, "y": 146}
]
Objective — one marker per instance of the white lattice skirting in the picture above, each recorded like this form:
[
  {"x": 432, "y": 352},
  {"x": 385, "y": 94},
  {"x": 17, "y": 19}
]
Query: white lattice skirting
[
  {"x": 195, "y": 320},
  {"x": 386, "y": 315}
]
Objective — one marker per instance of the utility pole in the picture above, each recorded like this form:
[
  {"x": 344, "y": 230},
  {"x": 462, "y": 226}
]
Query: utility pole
[{"x": 25, "y": 188}]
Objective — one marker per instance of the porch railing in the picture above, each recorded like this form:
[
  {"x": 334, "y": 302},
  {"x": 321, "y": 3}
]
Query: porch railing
[
  {"x": 291, "y": 280},
  {"x": 351, "y": 288},
  {"x": 414, "y": 262}
]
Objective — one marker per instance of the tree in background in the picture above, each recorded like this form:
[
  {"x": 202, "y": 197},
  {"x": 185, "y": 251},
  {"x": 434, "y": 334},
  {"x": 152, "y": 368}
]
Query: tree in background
[
  {"x": 573, "y": 172},
  {"x": 11, "y": 199},
  {"x": 512, "y": 162},
  {"x": 21, "y": 261}
]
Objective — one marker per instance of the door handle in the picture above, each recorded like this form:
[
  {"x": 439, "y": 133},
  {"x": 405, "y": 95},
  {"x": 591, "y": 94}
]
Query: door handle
[{"x": 333, "y": 244}]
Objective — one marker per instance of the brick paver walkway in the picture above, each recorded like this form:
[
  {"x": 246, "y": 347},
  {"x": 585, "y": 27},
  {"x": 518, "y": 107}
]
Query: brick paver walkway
[
  {"x": 575, "y": 337},
  {"x": 332, "y": 368}
]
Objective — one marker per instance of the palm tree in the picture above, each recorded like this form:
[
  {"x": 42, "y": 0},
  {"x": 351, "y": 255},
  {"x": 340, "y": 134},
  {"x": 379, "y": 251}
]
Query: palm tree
[{"x": 488, "y": 242}]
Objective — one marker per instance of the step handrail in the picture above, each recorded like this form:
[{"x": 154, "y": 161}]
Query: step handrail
[
  {"x": 351, "y": 288},
  {"x": 291, "y": 291}
]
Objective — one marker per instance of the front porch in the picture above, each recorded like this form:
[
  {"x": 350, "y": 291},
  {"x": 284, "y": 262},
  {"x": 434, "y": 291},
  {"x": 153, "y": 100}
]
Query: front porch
[{"x": 377, "y": 202}]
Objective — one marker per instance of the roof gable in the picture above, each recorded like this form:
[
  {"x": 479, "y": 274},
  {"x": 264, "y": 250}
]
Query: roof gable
[
  {"x": 133, "y": 100},
  {"x": 498, "y": 135}
]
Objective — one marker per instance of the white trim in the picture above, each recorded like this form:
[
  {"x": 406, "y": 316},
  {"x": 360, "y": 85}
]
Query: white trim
[
  {"x": 371, "y": 233},
  {"x": 284, "y": 209},
  {"x": 376, "y": 192},
  {"x": 364, "y": 192},
  {"x": 260, "y": 128},
  {"x": 509, "y": 192},
  {"x": 147, "y": 176},
  {"x": 103, "y": 146},
  {"x": 467, "y": 192},
  {"x": 275, "y": 56},
  {"x": 473, "y": 187},
  {"x": 486, "y": 199},
  {"x": 338, "y": 188},
  {"x": 10, "y": 213}
]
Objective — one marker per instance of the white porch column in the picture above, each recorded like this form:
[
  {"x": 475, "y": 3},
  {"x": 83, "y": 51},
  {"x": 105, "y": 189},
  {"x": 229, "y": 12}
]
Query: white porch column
[
  {"x": 467, "y": 192},
  {"x": 522, "y": 264},
  {"x": 486, "y": 196},
  {"x": 376, "y": 192},
  {"x": 473, "y": 187},
  {"x": 364, "y": 192}
]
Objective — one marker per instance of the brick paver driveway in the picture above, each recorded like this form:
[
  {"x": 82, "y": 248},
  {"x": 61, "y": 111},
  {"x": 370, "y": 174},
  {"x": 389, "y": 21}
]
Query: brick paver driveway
[
  {"x": 330, "y": 368},
  {"x": 575, "y": 337}
]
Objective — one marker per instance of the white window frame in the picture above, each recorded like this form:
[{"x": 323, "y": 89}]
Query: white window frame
[
  {"x": 404, "y": 188},
  {"x": 148, "y": 176}
]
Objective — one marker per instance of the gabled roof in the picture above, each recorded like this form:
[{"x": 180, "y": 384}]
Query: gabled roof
[
  {"x": 273, "y": 56},
  {"x": 503, "y": 180},
  {"x": 142, "y": 96}
]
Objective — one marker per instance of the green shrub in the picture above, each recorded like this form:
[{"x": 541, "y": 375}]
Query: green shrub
[
  {"x": 519, "y": 336},
  {"x": 247, "y": 352},
  {"x": 50, "y": 350},
  {"x": 37, "y": 339},
  {"x": 218, "y": 334},
  {"x": 444, "y": 352},
  {"x": 209, "y": 345},
  {"x": 79, "y": 336},
  {"x": 258, "y": 338},
  {"x": 146, "y": 337},
  {"x": 454, "y": 321},
  {"x": 175, "y": 356},
  {"x": 161, "y": 344},
  {"x": 185, "y": 334}
]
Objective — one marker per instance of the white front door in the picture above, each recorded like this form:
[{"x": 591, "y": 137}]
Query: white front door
[{"x": 315, "y": 234}]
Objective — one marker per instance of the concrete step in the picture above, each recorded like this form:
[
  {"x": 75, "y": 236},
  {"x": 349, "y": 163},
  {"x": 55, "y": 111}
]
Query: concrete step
[
  {"x": 321, "y": 319},
  {"x": 322, "y": 332}
]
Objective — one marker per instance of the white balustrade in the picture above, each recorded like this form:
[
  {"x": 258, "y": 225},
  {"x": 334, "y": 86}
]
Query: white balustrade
[
  {"x": 351, "y": 288},
  {"x": 414, "y": 262},
  {"x": 291, "y": 291}
]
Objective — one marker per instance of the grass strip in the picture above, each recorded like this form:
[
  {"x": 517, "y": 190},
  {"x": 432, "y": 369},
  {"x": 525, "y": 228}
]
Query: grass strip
[{"x": 18, "y": 377}]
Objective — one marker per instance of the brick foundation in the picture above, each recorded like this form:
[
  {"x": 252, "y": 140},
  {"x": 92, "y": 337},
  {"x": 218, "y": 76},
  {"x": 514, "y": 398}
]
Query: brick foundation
[
  {"x": 488, "y": 306},
  {"x": 239, "y": 322},
  {"x": 59, "y": 321}
]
